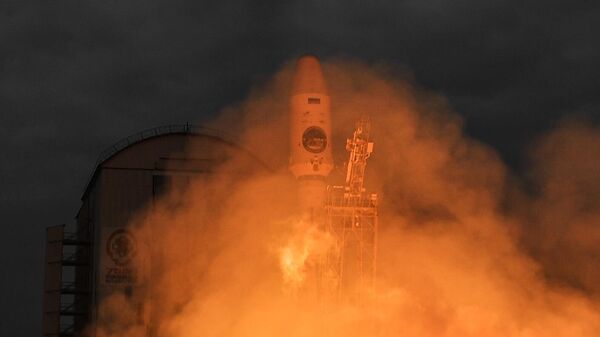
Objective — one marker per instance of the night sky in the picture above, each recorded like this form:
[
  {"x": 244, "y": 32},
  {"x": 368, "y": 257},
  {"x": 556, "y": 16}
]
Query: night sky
[{"x": 76, "y": 76}]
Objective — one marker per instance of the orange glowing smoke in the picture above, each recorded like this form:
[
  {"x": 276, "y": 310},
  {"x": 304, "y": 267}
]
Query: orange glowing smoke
[
  {"x": 303, "y": 248},
  {"x": 458, "y": 255}
]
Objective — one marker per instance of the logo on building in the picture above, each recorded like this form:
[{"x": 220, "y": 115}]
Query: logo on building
[{"x": 121, "y": 247}]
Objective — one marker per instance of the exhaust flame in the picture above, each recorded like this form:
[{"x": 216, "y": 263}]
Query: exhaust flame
[
  {"x": 292, "y": 265},
  {"x": 463, "y": 249},
  {"x": 302, "y": 250}
]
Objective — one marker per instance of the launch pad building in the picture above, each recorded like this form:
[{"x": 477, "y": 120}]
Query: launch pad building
[{"x": 87, "y": 263}]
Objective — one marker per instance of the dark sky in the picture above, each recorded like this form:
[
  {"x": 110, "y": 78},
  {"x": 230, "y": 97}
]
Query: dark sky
[{"x": 78, "y": 75}]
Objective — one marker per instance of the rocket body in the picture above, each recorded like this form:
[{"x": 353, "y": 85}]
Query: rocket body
[{"x": 311, "y": 158}]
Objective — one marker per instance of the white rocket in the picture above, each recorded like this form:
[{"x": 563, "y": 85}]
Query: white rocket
[{"x": 311, "y": 158}]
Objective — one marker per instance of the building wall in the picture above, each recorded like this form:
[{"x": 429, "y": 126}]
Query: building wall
[{"x": 128, "y": 183}]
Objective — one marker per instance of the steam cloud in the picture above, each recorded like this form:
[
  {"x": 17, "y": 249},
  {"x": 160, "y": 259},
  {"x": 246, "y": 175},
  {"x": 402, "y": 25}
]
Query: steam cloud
[{"x": 463, "y": 251}]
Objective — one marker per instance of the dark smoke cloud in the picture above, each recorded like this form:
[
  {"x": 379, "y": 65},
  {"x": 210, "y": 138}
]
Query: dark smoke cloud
[
  {"x": 77, "y": 76},
  {"x": 564, "y": 217}
]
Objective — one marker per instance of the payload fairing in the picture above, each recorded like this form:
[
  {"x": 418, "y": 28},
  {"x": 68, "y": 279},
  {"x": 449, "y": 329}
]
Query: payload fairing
[{"x": 311, "y": 158}]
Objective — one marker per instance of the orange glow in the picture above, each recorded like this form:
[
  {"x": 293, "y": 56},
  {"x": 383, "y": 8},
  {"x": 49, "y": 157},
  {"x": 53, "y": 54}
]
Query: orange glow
[
  {"x": 456, "y": 259},
  {"x": 306, "y": 245}
]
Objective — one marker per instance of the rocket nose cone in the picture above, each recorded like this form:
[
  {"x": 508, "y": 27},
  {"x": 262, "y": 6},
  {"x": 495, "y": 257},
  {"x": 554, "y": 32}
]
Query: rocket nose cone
[{"x": 308, "y": 77}]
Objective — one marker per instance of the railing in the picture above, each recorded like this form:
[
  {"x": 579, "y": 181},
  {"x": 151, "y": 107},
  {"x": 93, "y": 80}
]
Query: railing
[
  {"x": 72, "y": 288},
  {"x": 74, "y": 260},
  {"x": 73, "y": 238},
  {"x": 352, "y": 201},
  {"x": 68, "y": 331},
  {"x": 68, "y": 309}
]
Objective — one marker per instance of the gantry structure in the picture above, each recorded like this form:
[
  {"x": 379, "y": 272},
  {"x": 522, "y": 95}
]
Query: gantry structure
[{"x": 349, "y": 267}]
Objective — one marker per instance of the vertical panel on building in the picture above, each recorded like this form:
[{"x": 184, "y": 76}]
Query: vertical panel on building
[{"x": 122, "y": 253}]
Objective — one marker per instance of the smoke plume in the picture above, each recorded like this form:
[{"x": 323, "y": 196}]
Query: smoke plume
[
  {"x": 562, "y": 228},
  {"x": 455, "y": 257}
]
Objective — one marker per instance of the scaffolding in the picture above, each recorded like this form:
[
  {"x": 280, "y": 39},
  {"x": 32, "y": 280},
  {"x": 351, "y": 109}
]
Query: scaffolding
[
  {"x": 349, "y": 267},
  {"x": 66, "y": 284}
]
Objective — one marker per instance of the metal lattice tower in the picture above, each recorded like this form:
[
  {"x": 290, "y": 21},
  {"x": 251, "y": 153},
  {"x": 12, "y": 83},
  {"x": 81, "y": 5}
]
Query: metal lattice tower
[{"x": 349, "y": 267}]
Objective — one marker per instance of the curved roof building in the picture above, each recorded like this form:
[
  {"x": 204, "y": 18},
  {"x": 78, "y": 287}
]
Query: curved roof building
[
  {"x": 135, "y": 170},
  {"x": 84, "y": 267}
]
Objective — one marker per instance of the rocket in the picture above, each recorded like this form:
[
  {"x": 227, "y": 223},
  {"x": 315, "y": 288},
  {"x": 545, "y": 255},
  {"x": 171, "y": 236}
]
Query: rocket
[{"x": 311, "y": 158}]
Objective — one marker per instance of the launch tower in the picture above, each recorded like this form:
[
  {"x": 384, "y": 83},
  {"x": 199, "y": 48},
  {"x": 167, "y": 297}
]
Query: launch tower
[{"x": 348, "y": 269}]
